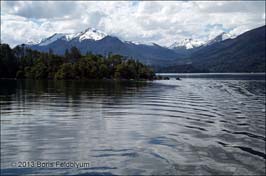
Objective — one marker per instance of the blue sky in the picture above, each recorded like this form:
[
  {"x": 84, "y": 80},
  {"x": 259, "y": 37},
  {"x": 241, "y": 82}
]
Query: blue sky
[{"x": 146, "y": 22}]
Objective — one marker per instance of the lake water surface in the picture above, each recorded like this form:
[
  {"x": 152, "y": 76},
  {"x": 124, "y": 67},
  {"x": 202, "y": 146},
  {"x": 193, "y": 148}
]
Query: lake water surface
[{"x": 203, "y": 125}]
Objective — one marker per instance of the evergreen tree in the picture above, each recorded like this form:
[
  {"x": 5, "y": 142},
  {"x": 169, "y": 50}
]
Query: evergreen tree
[
  {"x": 75, "y": 54},
  {"x": 67, "y": 55}
]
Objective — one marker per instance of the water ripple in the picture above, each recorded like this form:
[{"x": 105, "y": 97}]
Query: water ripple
[{"x": 193, "y": 126}]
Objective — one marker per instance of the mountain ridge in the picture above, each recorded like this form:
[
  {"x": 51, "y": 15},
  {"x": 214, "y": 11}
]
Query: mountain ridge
[
  {"x": 245, "y": 53},
  {"x": 104, "y": 44},
  {"x": 204, "y": 56}
]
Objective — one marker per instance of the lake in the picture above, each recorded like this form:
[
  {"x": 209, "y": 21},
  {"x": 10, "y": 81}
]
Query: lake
[{"x": 203, "y": 124}]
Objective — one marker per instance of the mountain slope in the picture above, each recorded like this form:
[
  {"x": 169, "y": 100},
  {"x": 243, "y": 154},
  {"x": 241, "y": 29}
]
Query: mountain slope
[{"x": 246, "y": 53}]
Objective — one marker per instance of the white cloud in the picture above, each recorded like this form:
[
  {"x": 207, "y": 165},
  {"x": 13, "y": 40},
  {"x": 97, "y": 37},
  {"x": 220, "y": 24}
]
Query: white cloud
[{"x": 146, "y": 21}]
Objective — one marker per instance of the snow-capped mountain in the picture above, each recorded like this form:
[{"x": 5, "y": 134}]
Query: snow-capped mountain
[
  {"x": 98, "y": 42},
  {"x": 221, "y": 37},
  {"x": 187, "y": 44},
  {"x": 88, "y": 34},
  {"x": 198, "y": 52}
]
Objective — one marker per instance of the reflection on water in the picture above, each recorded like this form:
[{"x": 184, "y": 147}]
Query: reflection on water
[{"x": 192, "y": 126}]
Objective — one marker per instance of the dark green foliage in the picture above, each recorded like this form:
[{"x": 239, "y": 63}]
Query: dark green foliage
[
  {"x": 25, "y": 63},
  {"x": 39, "y": 70},
  {"x": 74, "y": 54},
  {"x": 66, "y": 71},
  {"x": 8, "y": 62},
  {"x": 20, "y": 74}
]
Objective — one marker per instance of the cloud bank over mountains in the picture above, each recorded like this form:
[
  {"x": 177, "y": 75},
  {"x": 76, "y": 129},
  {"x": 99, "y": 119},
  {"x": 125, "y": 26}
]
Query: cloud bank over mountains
[{"x": 145, "y": 22}]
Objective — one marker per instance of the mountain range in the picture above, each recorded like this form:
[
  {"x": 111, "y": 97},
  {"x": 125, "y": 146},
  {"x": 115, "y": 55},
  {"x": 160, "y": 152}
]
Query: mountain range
[
  {"x": 223, "y": 53},
  {"x": 97, "y": 42}
]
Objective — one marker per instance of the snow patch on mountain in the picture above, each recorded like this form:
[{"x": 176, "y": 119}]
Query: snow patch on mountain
[
  {"x": 133, "y": 42},
  {"x": 69, "y": 37},
  {"x": 88, "y": 34},
  {"x": 192, "y": 43},
  {"x": 221, "y": 37},
  {"x": 140, "y": 43},
  {"x": 51, "y": 39},
  {"x": 31, "y": 42},
  {"x": 187, "y": 44},
  {"x": 93, "y": 34}
]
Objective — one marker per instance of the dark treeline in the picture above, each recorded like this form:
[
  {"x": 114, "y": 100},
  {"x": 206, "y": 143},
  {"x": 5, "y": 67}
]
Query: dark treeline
[{"x": 22, "y": 62}]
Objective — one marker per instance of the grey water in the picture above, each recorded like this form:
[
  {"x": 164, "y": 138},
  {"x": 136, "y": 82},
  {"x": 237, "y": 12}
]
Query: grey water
[{"x": 203, "y": 125}]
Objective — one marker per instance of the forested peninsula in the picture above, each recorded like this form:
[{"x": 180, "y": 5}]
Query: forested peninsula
[{"x": 24, "y": 63}]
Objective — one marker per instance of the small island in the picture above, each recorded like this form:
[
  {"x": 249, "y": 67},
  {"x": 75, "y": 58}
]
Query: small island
[{"x": 24, "y": 63}]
